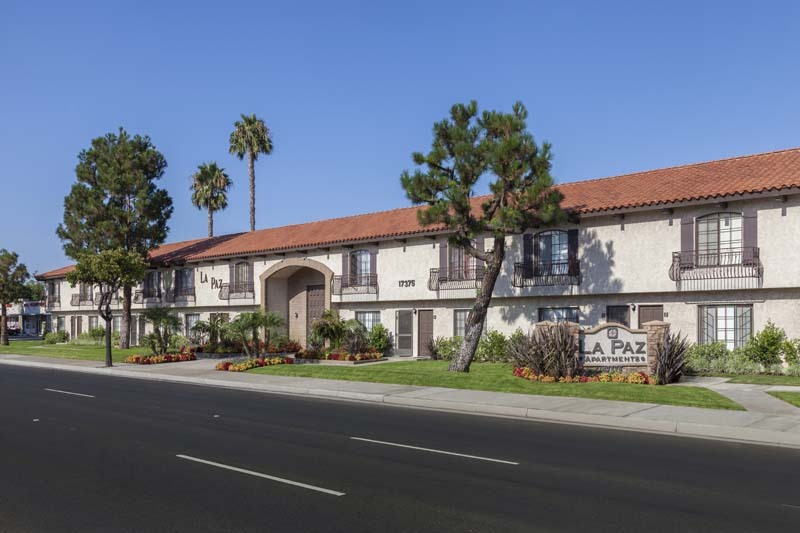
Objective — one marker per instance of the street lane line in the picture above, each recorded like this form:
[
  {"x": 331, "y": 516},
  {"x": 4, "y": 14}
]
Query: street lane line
[
  {"x": 436, "y": 451},
  {"x": 790, "y": 505},
  {"x": 259, "y": 474},
  {"x": 72, "y": 393}
]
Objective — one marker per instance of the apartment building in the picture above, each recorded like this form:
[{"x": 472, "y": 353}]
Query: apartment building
[{"x": 712, "y": 248}]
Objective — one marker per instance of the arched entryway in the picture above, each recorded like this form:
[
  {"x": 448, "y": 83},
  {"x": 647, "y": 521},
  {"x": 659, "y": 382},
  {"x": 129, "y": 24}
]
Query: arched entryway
[{"x": 299, "y": 290}]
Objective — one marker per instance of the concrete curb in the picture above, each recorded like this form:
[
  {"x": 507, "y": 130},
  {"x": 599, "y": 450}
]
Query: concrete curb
[{"x": 664, "y": 427}]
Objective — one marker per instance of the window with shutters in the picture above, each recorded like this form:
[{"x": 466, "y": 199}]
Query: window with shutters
[
  {"x": 184, "y": 282},
  {"x": 152, "y": 284},
  {"x": 731, "y": 325},
  {"x": 92, "y": 322},
  {"x": 460, "y": 265},
  {"x": 360, "y": 268},
  {"x": 548, "y": 258},
  {"x": 86, "y": 292},
  {"x": 719, "y": 239}
]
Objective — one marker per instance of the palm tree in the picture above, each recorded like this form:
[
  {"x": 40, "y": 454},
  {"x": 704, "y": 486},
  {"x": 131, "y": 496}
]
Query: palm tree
[
  {"x": 209, "y": 189},
  {"x": 251, "y": 137}
]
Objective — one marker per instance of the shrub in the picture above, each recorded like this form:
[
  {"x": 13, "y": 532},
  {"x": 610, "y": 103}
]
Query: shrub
[
  {"x": 56, "y": 336},
  {"x": 98, "y": 334},
  {"x": 524, "y": 353},
  {"x": 492, "y": 347},
  {"x": 380, "y": 339},
  {"x": 444, "y": 348},
  {"x": 791, "y": 352},
  {"x": 671, "y": 358},
  {"x": 560, "y": 349},
  {"x": 176, "y": 342},
  {"x": 354, "y": 337},
  {"x": 765, "y": 347}
]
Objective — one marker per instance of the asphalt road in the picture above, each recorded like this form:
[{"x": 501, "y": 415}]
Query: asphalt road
[{"x": 136, "y": 455}]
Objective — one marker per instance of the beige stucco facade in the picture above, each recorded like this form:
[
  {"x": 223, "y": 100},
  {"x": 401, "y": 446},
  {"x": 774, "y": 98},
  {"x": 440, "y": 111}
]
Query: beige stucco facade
[{"x": 625, "y": 260}]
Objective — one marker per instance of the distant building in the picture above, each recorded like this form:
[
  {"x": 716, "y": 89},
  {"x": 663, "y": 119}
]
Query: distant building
[
  {"x": 28, "y": 317},
  {"x": 713, "y": 248}
]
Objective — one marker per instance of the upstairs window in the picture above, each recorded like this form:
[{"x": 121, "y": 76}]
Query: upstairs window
[
  {"x": 184, "y": 281},
  {"x": 152, "y": 284},
  {"x": 460, "y": 265},
  {"x": 360, "y": 267},
  {"x": 53, "y": 291},
  {"x": 241, "y": 277},
  {"x": 86, "y": 292},
  {"x": 719, "y": 239}
]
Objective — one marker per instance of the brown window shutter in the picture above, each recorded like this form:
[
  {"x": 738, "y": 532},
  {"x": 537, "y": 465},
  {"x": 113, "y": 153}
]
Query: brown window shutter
[
  {"x": 527, "y": 254},
  {"x": 231, "y": 276},
  {"x": 373, "y": 266},
  {"x": 572, "y": 252},
  {"x": 535, "y": 259},
  {"x": 687, "y": 242},
  {"x": 345, "y": 268},
  {"x": 749, "y": 235},
  {"x": 443, "y": 259},
  {"x": 479, "y": 244}
]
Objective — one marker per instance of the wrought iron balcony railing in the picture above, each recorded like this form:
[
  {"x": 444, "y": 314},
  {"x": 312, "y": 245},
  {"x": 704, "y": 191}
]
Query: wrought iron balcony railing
[
  {"x": 239, "y": 290},
  {"x": 441, "y": 279},
  {"x": 114, "y": 298},
  {"x": 179, "y": 293},
  {"x": 355, "y": 284},
  {"x": 702, "y": 265},
  {"x": 543, "y": 274},
  {"x": 77, "y": 300},
  {"x": 151, "y": 295},
  {"x": 52, "y": 302}
]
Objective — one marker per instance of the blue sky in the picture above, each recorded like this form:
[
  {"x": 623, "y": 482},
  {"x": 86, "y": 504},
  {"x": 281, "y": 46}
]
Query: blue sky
[{"x": 350, "y": 89}]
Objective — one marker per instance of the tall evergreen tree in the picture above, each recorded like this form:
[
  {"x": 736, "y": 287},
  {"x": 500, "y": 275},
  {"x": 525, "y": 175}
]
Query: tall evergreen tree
[
  {"x": 12, "y": 287},
  {"x": 466, "y": 147},
  {"x": 209, "y": 189},
  {"x": 115, "y": 204},
  {"x": 251, "y": 137}
]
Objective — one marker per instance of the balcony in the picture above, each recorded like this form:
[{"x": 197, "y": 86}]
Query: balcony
[
  {"x": 558, "y": 273},
  {"x": 354, "y": 284},
  {"x": 147, "y": 295},
  {"x": 724, "y": 269},
  {"x": 53, "y": 302},
  {"x": 180, "y": 294},
  {"x": 114, "y": 298},
  {"x": 240, "y": 290},
  {"x": 466, "y": 278},
  {"x": 79, "y": 300}
]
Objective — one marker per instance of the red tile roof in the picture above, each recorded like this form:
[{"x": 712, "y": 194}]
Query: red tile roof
[{"x": 773, "y": 171}]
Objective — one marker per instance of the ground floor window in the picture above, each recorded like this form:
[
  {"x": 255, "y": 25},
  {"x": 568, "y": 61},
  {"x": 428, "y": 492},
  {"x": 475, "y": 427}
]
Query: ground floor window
[
  {"x": 115, "y": 323},
  {"x": 190, "y": 319},
  {"x": 728, "y": 324},
  {"x": 621, "y": 314},
  {"x": 60, "y": 323},
  {"x": 92, "y": 322},
  {"x": 460, "y": 322},
  {"x": 368, "y": 318},
  {"x": 558, "y": 314}
]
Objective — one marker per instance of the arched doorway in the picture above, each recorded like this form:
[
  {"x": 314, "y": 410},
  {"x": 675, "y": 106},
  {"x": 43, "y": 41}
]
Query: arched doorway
[{"x": 299, "y": 290}]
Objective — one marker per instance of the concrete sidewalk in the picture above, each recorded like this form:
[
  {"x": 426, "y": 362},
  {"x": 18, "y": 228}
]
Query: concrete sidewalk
[{"x": 772, "y": 425}]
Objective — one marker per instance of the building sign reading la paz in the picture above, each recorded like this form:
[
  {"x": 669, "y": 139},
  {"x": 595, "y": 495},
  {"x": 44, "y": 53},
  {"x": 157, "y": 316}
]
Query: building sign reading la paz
[{"x": 612, "y": 345}]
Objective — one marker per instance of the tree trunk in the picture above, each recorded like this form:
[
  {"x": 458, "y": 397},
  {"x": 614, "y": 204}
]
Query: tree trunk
[
  {"x": 210, "y": 222},
  {"x": 477, "y": 315},
  {"x": 255, "y": 342},
  {"x": 252, "y": 170},
  {"x": 109, "y": 360},
  {"x": 125, "y": 328},
  {"x": 3, "y": 325}
]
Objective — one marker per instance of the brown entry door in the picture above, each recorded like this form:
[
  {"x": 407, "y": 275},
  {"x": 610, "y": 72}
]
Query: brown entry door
[
  {"x": 425, "y": 332},
  {"x": 315, "y": 305},
  {"x": 648, "y": 313}
]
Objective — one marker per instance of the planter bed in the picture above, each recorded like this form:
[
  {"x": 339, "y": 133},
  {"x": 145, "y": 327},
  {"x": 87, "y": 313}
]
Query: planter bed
[
  {"x": 239, "y": 355},
  {"x": 159, "y": 359}
]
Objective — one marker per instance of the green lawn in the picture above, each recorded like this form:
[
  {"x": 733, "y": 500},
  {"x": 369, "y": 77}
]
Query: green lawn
[
  {"x": 763, "y": 379},
  {"x": 67, "y": 351},
  {"x": 788, "y": 397},
  {"x": 498, "y": 377}
]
